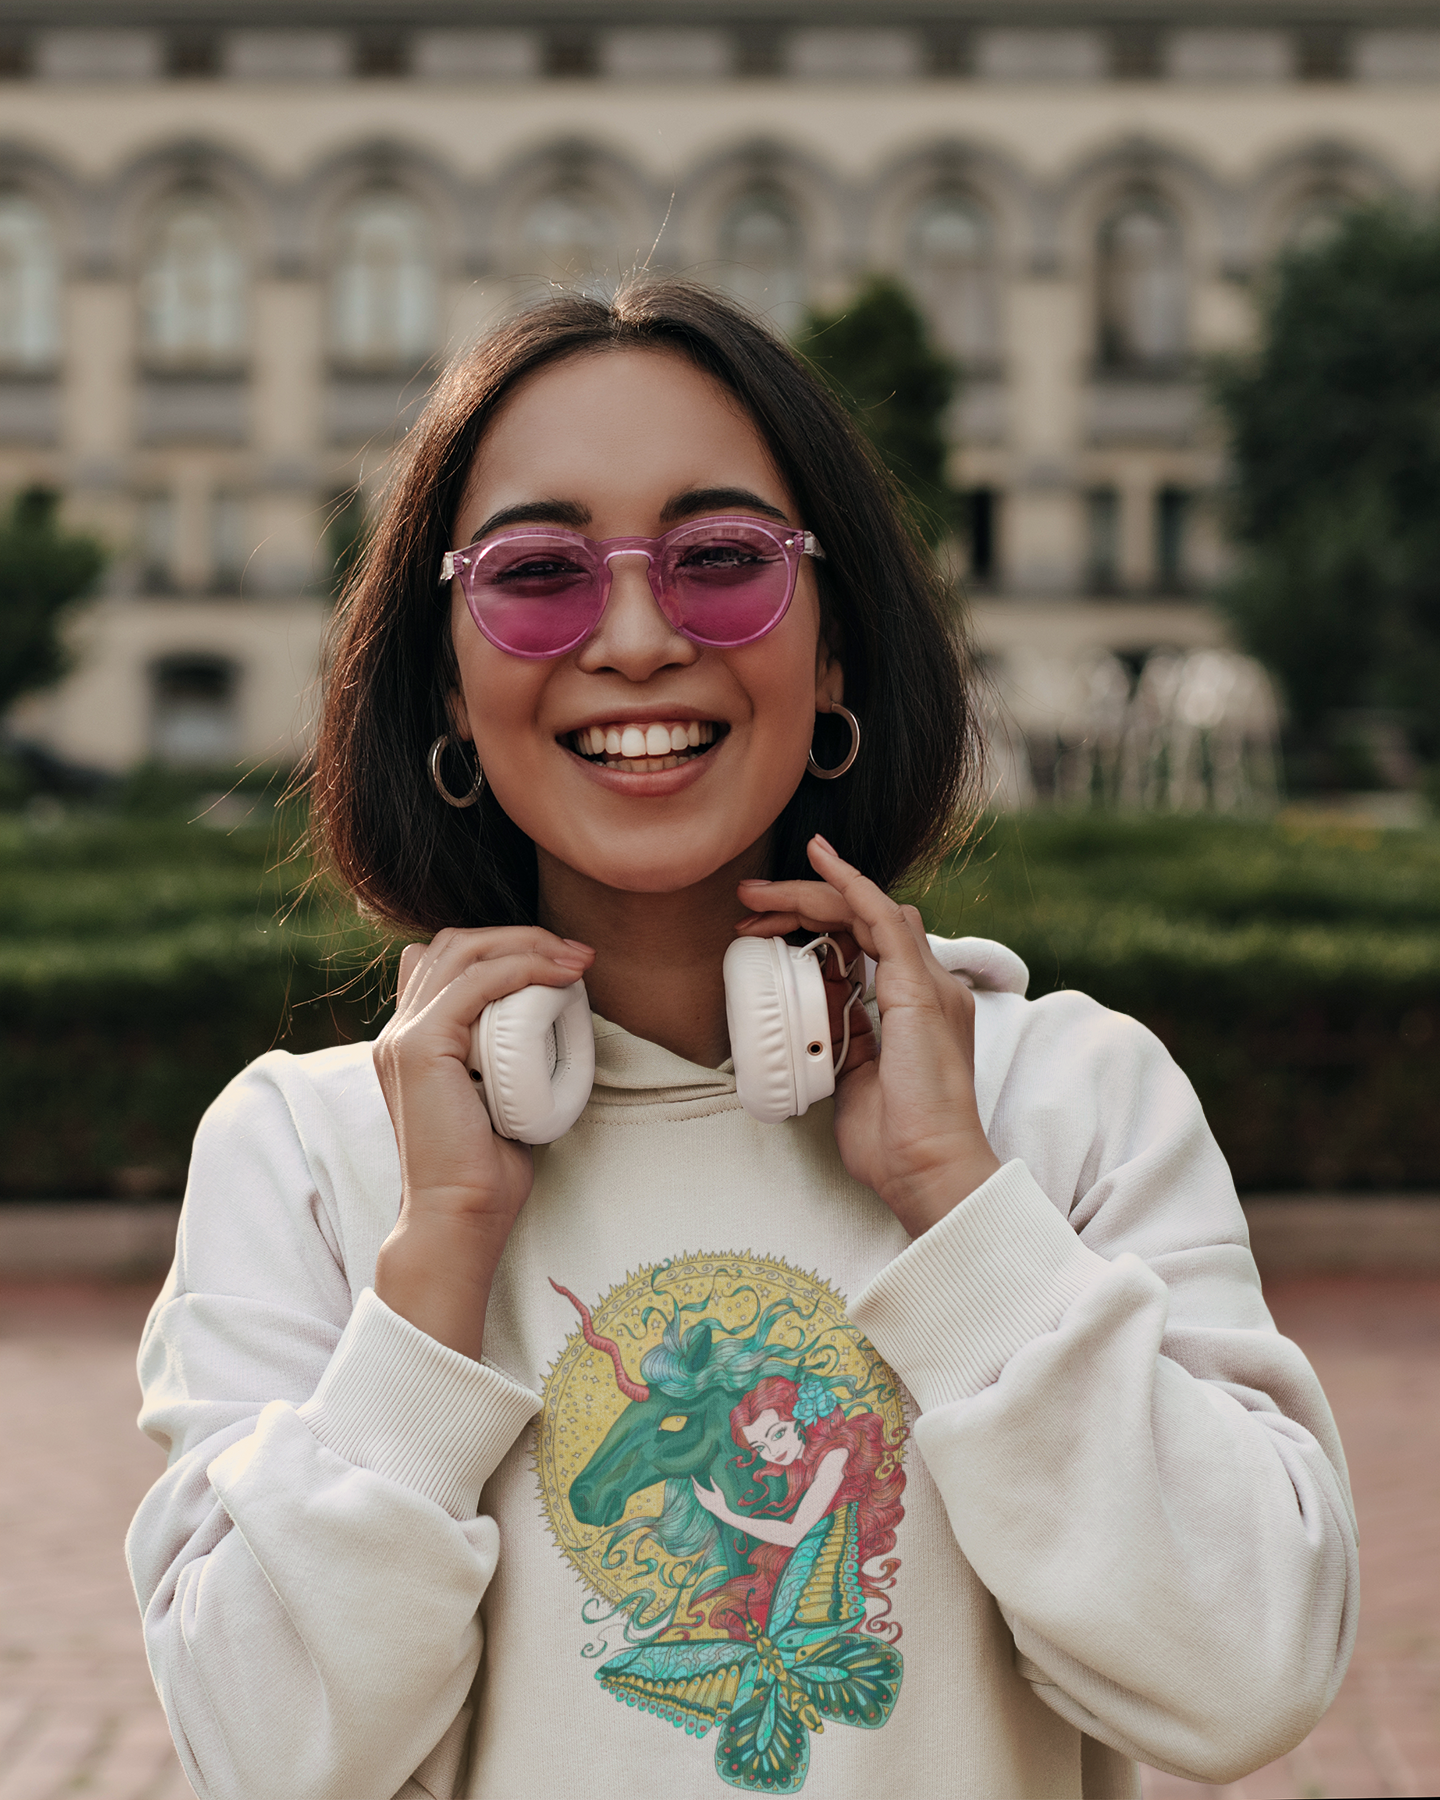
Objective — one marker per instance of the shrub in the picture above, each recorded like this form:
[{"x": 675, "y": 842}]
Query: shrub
[
  {"x": 145, "y": 963},
  {"x": 1292, "y": 969}
]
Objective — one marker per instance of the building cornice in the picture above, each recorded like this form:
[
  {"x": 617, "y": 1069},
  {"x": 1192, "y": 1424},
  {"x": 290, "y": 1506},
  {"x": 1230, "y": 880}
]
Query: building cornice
[{"x": 51, "y": 15}]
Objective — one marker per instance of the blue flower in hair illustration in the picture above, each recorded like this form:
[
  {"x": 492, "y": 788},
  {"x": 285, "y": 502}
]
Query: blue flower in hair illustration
[{"x": 782, "y": 1499}]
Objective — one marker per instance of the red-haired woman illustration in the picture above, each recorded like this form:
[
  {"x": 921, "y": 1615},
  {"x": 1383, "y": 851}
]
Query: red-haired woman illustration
[{"x": 829, "y": 1461}]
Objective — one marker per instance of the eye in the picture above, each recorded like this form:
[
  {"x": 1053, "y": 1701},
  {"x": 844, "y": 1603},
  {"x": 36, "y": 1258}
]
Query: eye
[
  {"x": 536, "y": 569},
  {"x": 674, "y": 1422},
  {"x": 721, "y": 554}
]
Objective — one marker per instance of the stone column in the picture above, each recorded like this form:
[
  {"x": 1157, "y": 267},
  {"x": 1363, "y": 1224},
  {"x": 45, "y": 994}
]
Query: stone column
[
  {"x": 287, "y": 403},
  {"x": 1045, "y": 523}
]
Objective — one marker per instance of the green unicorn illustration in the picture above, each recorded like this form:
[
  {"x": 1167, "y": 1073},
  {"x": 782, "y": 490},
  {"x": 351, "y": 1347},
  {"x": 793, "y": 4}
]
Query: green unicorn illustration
[{"x": 780, "y": 1540}]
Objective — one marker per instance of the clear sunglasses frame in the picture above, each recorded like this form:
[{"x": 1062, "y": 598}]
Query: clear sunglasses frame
[{"x": 662, "y": 555}]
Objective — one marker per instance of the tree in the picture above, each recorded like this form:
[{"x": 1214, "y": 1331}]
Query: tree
[
  {"x": 1335, "y": 431},
  {"x": 877, "y": 357},
  {"x": 44, "y": 571}
]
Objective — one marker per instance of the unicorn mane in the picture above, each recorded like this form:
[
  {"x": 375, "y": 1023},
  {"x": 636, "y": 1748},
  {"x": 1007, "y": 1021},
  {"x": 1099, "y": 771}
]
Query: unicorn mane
[{"x": 735, "y": 1361}]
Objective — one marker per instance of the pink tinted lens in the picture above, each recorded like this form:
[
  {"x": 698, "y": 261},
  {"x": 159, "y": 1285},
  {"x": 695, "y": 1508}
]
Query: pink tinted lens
[
  {"x": 533, "y": 594},
  {"x": 726, "y": 582}
]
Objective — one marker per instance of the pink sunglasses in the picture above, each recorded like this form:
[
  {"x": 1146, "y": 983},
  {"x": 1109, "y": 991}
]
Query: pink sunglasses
[{"x": 537, "y": 591}]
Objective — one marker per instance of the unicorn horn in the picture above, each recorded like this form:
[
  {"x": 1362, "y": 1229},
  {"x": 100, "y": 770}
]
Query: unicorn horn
[{"x": 632, "y": 1390}]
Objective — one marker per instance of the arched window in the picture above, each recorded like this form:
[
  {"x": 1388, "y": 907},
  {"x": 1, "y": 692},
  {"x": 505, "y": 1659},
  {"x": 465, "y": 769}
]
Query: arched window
[
  {"x": 1142, "y": 284},
  {"x": 764, "y": 253},
  {"x": 568, "y": 234},
  {"x": 950, "y": 256},
  {"x": 192, "y": 286},
  {"x": 194, "y": 710},
  {"x": 29, "y": 285},
  {"x": 383, "y": 291}
]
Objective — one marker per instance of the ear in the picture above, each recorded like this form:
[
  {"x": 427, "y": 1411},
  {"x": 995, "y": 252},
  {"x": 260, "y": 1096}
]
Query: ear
[
  {"x": 697, "y": 1353},
  {"x": 829, "y": 678},
  {"x": 455, "y": 714}
]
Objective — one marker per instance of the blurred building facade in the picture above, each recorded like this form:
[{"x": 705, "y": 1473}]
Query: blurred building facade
[{"x": 237, "y": 240}]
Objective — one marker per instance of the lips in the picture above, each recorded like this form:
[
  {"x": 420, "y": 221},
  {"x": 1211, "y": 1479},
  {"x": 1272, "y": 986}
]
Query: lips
[{"x": 645, "y": 746}]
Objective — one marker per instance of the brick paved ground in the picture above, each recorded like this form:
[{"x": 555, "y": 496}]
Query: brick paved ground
[{"x": 78, "y": 1716}]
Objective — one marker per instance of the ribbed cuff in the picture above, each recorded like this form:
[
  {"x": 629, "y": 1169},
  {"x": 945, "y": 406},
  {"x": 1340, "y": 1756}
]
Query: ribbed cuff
[
  {"x": 955, "y": 1306},
  {"x": 395, "y": 1401}
]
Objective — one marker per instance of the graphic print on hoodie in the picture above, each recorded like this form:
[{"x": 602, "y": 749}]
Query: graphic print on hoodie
[{"x": 721, "y": 1460}]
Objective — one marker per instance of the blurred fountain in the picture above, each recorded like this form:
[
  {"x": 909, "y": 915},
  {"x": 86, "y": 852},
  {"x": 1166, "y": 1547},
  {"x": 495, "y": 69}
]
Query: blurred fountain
[{"x": 1196, "y": 732}]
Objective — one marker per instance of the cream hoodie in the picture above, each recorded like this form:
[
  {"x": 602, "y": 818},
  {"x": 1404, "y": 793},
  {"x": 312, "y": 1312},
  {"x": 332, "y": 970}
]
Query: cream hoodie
[{"x": 1090, "y": 1506}]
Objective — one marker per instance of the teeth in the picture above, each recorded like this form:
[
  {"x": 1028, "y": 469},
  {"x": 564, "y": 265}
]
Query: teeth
[{"x": 643, "y": 748}]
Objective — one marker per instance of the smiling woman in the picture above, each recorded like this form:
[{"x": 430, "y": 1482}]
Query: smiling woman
[
  {"x": 639, "y": 581},
  {"x": 719, "y": 419}
]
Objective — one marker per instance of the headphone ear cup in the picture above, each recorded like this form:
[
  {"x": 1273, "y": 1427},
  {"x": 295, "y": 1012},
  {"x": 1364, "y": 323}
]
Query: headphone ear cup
[
  {"x": 757, "y": 1014},
  {"x": 779, "y": 1028},
  {"x": 535, "y": 1052}
]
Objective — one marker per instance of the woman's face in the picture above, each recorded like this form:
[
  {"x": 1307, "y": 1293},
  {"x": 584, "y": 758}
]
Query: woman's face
[
  {"x": 778, "y": 1440},
  {"x": 619, "y": 444}
]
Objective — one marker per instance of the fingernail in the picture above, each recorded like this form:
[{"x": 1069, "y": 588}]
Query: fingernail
[
  {"x": 756, "y": 881},
  {"x": 824, "y": 844},
  {"x": 575, "y": 944}
]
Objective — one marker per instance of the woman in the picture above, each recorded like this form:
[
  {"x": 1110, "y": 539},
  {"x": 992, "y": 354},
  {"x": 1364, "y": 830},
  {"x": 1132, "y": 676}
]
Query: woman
[
  {"x": 1127, "y": 1530},
  {"x": 829, "y": 1460}
]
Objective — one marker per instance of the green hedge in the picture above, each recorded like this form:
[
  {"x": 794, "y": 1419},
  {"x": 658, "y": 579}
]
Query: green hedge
[
  {"x": 143, "y": 964},
  {"x": 1292, "y": 969}
]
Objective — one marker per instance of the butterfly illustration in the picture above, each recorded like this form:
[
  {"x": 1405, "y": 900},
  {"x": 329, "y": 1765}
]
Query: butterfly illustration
[{"x": 769, "y": 1693}]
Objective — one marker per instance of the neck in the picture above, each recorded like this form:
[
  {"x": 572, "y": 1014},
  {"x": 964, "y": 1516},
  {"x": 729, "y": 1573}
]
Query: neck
[{"x": 657, "y": 969}]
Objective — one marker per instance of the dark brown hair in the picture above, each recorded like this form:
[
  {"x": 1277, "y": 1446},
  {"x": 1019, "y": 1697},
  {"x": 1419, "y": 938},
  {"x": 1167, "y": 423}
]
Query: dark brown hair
[{"x": 421, "y": 864}]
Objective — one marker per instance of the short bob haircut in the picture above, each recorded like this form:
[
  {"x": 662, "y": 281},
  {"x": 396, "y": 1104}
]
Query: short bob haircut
[{"x": 420, "y": 864}]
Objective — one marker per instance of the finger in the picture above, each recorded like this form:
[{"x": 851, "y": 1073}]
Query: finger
[
  {"x": 461, "y": 1001},
  {"x": 844, "y": 898},
  {"x": 451, "y": 952},
  {"x": 409, "y": 961},
  {"x": 785, "y": 906},
  {"x": 897, "y": 931}
]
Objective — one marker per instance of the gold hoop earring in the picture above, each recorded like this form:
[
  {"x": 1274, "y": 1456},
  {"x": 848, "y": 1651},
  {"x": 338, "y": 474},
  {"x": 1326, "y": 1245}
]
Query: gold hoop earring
[
  {"x": 437, "y": 750},
  {"x": 813, "y": 768}
]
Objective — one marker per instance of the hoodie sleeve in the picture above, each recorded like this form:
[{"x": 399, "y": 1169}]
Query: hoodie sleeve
[
  {"x": 311, "y": 1563},
  {"x": 1137, "y": 1465}
]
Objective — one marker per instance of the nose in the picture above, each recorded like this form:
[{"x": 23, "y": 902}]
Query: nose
[{"x": 634, "y": 638}]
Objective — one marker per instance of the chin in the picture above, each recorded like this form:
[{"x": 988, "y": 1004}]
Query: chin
[{"x": 651, "y": 863}]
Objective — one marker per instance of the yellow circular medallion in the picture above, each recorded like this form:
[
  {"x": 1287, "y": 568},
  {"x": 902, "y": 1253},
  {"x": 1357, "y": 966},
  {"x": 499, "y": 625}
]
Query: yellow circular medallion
[{"x": 638, "y": 1403}]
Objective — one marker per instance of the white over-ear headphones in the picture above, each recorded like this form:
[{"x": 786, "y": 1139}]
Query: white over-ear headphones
[
  {"x": 534, "y": 1055},
  {"x": 533, "y": 1052}
]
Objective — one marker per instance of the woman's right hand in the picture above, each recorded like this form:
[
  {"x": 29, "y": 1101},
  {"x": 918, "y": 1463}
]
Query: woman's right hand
[{"x": 462, "y": 1186}]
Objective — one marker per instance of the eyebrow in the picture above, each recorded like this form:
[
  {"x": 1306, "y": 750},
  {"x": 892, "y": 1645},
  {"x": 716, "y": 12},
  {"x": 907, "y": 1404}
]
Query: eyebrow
[
  {"x": 575, "y": 517},
  {"x": 537, "y": 512},
  {"x": 717, "y": 499}
]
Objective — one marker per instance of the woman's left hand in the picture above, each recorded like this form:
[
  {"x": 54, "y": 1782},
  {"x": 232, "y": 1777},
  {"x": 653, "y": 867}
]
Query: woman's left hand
[
  {"x": 906, "y": 1119},
  {"x": 711, "y": 1499}
]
